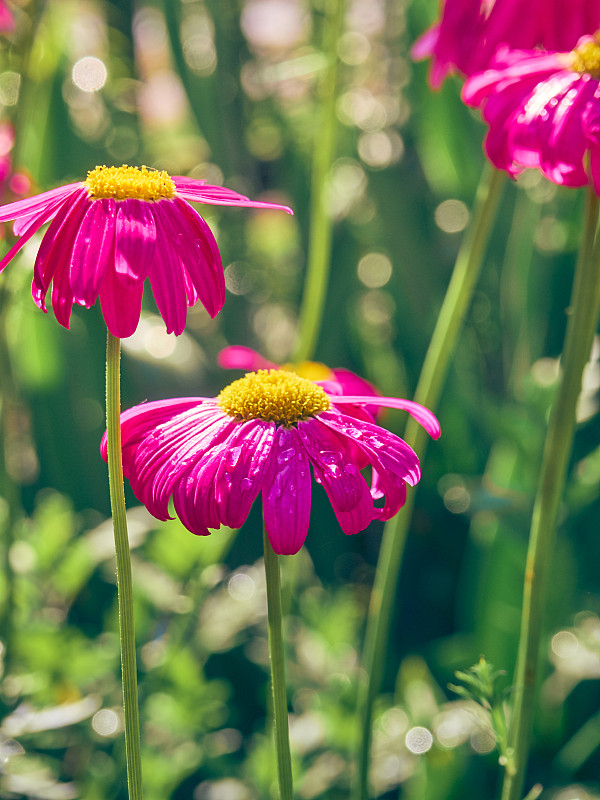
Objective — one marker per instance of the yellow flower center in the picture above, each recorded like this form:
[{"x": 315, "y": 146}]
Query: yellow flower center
[
  {"x": 273, "y": 396},
  {"x": 122, "y": 183},
  {"x": 313, "y": 370},
  {"x": 587, "y": 57}
]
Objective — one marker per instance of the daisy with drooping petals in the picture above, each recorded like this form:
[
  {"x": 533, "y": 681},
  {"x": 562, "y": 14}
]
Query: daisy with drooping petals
[
  {"x": 262, "y": 433},
  {"x": 333, "y": 380},
  {"x": 117, "y": 228},
  {"x": 470, "y": 31},
  {"x": 543, "y": 111}
]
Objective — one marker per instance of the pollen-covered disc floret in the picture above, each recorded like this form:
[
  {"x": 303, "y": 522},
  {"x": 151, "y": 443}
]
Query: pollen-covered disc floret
[
  {"x": 273, "y": 396},
  {"x": 123, "y": 183},
  {"x": 586, "y": 57}
]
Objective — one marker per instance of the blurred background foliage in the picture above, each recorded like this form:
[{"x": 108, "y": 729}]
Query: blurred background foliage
[{"x": 226, "y": 90}]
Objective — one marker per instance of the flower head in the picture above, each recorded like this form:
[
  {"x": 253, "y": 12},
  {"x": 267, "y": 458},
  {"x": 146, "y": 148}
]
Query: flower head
[
  {"x": 213, "y": 456},
  {"x": 543, "y": 111},
  {"x": 470, "y": 31},
  {"x": 117, "y": 228}
]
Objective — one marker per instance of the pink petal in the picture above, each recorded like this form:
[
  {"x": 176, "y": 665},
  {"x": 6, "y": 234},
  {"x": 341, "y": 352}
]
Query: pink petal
[
  {"x": 351, "y": 383},
  {"x": 7, "y": 21},
  {"x": 286, "y": 493},
  {"x": 510, "y": 67},
  {"x": 167, "y": 276},
  {"x": 240, "y": 357},
  {"x": 199, "y": 192},
  {"x": 35, "y": 225},
  {"x": 38, "y": 203},
  {"x": 135, "y": 237},
  {"x": 394, "y": 461},
  {"x": 150, "y": 449},
  {"x": 163, "y": 459},
  {"x": 385, "y": 450},
  {"x": 52, "y": 248},
  {"x": 121, "y": 303},
  {"x": 425, "y": 44},
  {"x": 194, "y": 495},
  {"x": 423, "y": 415},
  {"x": 393, "y": 489},
  {"x": 201, "y": 257},
  {"x": 241, "y": 472},
  {"x": 502, "y": 112},
  {"x": 346, "y": 382},
  {"x": 562, "y": 157},
  {"x": 139, "y": 420},
  {"x": 94, "y": 252},
  {"x": 346, "y": 488},
  {"x": 22, "y": 225},
  {"x": 60, "y": 256}
]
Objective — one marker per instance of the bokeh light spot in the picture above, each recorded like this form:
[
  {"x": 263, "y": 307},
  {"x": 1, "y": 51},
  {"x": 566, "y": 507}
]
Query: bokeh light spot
[
  {"x": 89, "y": 74},
  {"x": 241, "y": 587},
  {"x": 10, "y": 85},
  {"x": 452, "y": 216},
  {"x": 565, "y": 644},
  {"x": 419, "y": 740},
  {"x": 374, "y": 270},
  {"x": 106, "y": 722}
]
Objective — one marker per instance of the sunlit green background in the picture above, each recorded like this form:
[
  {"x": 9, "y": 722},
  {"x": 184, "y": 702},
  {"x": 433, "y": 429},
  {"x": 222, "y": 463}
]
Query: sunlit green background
[{"x": 225, "y": 90}]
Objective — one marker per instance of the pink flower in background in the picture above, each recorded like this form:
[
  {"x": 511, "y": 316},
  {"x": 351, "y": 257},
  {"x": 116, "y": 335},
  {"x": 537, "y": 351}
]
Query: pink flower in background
[
  {"x": 13, "y": 184},
  {"x": 213, "y": 456},
  {"x": 452, "y": 42},
  {"x": 117, "y": 228},
  {"x": 334, "y": 380},
  {"x": 7, "y": 21},
  {"x": 469, "y": 32},
  {"x": 543, "y": 111}
]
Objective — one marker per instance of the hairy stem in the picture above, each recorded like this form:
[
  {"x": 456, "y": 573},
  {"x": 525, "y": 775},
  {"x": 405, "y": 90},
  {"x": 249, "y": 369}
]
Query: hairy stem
[
  {"x": 581, "y": 326},
  {"x": 124, "y": 582},
  {"x": 277, "y": 659}
]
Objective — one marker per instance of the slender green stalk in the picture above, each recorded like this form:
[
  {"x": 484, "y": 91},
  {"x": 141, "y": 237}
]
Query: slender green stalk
[
  {"x": 276, "y": 655},
  {"x": 434, "y": 371},
  {"x": 581, "y": 326},
  {"x": 320, "y": 229},
  {"x": 124, "y": 583},
  {"x": 10, "y": 492}
]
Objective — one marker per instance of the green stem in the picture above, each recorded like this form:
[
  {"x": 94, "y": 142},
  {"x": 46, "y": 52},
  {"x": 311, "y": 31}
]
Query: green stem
[
  {"x": 10, "y": 491},
  {"x": 581, "y": 326},
  {"x": 280, "y": 709},
  {"x": 124, "y": 582},
  {"x": 320, "y": 223},
  {"x": 434, "y": 371}
]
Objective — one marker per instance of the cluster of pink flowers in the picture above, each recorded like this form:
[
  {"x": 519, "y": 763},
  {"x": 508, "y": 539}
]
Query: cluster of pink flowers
[
  {"x": 469, "y": 32},
  {"x": 264, "y": 432},
  {"x": 535, "y": 75}
]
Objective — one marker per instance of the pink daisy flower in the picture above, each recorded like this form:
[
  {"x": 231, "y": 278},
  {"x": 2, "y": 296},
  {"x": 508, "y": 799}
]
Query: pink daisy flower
[
  {"x": 213, "y": 456},
  {"x": 543, "y": 111},
  {"x": 117, "y": 228},
  {"x": 469, "y": 32}
]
